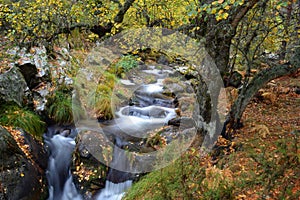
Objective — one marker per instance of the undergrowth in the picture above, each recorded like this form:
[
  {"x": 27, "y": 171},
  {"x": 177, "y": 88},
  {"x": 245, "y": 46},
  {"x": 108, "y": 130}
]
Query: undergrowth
[
  {"x": 123, "y": 65},
  {"x": 183, "y": 179},
  {"x": 61, "y": 109},
  {"x": 13, "y": 115},
  {"x": 265, "y": 170}
]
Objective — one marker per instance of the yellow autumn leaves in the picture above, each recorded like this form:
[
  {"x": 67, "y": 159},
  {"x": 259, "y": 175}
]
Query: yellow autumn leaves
[
  {"x": 220, "y": 8},
  {"x": 33, "y": 20}
]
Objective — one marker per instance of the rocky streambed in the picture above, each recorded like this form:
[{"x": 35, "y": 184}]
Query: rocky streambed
[{"x": 94, "y": 159}]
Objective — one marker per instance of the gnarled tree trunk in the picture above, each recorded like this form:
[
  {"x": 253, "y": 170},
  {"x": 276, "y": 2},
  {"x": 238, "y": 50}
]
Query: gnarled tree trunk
[{"x": 258, "y": 81}]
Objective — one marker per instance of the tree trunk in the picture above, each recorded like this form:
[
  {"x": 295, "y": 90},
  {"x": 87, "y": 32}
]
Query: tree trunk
[{"x": 262, "y": 78}]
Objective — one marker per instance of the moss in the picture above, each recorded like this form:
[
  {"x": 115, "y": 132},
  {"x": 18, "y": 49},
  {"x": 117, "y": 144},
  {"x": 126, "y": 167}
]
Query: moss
[
  {"x": 182, "y": 179},
  {"x": 13, "y": 115}
]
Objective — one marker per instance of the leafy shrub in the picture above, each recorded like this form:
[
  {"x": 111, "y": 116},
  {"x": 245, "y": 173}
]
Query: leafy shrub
[
  {"x": 12, "y": 115},
  {"x": 125, "y": 64}
]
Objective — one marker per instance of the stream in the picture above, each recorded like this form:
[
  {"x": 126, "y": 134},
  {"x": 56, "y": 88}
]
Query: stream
[{"x": 152, "y": 110}]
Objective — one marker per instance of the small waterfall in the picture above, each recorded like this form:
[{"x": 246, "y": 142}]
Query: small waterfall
[
  {"x": 117, "y": 182},
  {"x": 60, "y": 181},
  {"x": 114, "y": 191}
]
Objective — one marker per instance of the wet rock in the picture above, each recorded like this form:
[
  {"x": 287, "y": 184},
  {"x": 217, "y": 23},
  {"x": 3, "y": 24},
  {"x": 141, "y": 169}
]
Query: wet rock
[
  {"x": 163, "y": 60},
  {"x": 20, "y": 178},
  {"x": 12, "y": 86},
  {"x": 36, "y": 149},
  {"x": 183, "y": 122},
  {"x": 89, "y": 157},
  {"x": 174, "y": 88}
]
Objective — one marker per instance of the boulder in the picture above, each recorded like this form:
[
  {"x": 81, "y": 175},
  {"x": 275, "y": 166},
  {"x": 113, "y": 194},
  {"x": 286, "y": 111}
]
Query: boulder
[
  {"x": 21, "y": 177},
  {"x": 89, "y": 157},
  {"x": 12, "y": 86}
]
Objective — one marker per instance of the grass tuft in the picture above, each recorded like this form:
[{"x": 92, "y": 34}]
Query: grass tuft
[
  {"x": 60, "y": 108},
  {"x": 13, "y": 115}
]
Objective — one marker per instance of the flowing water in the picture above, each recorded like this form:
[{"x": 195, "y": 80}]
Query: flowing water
[
  {"x": 60, "y": 181},
  {"x": 153, "y": 111}
]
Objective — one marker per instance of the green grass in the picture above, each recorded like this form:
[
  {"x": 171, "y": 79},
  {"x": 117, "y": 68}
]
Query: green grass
[
  {"x": 61, "y": 109},
  {"x": 102, "y": 100},
  {"x": 12, "y": 115},
  {"x": 183, "y": 179}
]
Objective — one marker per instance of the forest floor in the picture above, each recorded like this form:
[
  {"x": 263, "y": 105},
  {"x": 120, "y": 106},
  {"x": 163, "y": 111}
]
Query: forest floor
[{"x": 264, "y": 156}]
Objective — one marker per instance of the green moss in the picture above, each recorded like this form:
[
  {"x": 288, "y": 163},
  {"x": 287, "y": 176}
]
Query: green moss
[
  {"x": 182, "y": 179},
  {"x": 13, "y": 115}
]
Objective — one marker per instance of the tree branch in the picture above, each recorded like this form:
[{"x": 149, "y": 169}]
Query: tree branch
[
  {"x": 120, "y": 16},
  {"x": 242, "y": 12},
  {"x": 102, "y": 30}
]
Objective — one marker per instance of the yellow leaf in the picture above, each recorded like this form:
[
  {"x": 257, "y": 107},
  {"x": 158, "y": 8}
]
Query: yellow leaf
[
  {"x": 213, "y": 11},
  {"x": 227, "y": 7},
  {"x": 225, "y": 15},
  {"x": 220, "y": 1},
  {"x": 22, "y": 175}
]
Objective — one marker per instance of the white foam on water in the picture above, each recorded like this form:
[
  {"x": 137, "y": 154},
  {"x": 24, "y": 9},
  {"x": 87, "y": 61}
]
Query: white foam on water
[
  {"x": 114, "y": 191},
  {"x": 154, "y": 88}
]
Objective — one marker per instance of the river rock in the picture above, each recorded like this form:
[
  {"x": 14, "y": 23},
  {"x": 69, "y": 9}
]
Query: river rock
[
  {"x": 12, "y": 86},
  {"x": 90, "y": 154},
  {"x": 162, "y": 59},
  {"x": 20, "y": 177},
  {"x": 183, "y": 122}
]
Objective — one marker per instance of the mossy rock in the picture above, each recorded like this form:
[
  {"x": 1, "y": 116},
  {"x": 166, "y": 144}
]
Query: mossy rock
[{"x": 13, "y": 86}]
